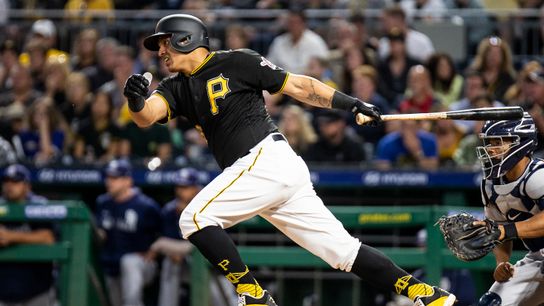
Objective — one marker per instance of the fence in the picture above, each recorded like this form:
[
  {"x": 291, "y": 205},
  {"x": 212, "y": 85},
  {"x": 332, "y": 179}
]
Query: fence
[
  {"x": 79, "y": 282},
  {"x": 433, "y": 259}
]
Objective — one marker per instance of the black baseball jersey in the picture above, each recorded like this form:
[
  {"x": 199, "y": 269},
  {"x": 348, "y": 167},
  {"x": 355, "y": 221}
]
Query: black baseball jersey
[{"x": 223, "y": 97}]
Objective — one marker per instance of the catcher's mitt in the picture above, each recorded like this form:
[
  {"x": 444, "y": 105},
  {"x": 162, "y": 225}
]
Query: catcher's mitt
[{"x": 466, "y": 240}]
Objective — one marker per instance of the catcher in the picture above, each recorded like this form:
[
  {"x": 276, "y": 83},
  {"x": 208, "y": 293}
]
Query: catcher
[{"x": 513, "y": 195}]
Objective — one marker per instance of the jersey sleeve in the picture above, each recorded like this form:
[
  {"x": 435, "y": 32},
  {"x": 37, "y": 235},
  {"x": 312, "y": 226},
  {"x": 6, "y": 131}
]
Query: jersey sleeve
[
  {"x": 172, "y": 91},
  {"x": 259, "y": 72}
]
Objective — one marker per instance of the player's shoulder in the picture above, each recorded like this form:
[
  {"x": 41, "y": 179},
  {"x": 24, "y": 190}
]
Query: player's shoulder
[
  {"x": 241, "y": 53},
  {"x": 103, "y": 199},
  {"x": 145, "y": 200},
  {"x": 169, "y": 207},
  {"x": 534, "y": 181}
]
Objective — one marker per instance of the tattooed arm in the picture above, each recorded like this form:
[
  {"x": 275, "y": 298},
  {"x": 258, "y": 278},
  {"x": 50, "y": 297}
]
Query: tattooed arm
[{"x": 308, "y": 90}]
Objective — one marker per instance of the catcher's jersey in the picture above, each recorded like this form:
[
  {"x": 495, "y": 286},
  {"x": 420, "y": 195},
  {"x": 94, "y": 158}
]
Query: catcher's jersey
[
  {"x": 223, "y": 98},
  {"x": 518, "y": 200}
]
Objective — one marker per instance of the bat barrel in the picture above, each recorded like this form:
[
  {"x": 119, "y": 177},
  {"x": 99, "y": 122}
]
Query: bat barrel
[{"x": 489, "y": 113}]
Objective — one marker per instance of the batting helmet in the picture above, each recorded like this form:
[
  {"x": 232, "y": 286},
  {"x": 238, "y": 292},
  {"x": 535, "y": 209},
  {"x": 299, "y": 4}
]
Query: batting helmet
[
  {"x": 186, "y": 33},
  {"x": 495, "y": 157}
]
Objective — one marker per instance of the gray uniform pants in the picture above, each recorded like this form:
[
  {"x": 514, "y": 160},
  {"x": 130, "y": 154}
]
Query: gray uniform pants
[
  {"x": 127, "y": 289},
  {"x": 526, "y": 287},
  {"x": 44, "y": 299}
]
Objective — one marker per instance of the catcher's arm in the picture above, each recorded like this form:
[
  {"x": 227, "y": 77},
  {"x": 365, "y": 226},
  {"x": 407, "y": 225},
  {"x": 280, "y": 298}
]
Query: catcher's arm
[
  {"x": 530, "y": 228},
  {"x": 503, "y": 251}
]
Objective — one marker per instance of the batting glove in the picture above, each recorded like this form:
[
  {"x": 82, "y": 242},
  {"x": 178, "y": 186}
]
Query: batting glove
[
  {"x": 367, "y": 109},
  {"x": 136, "y": 91}
]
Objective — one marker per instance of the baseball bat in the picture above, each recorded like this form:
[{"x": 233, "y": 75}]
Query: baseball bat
[{"x": 485, "y": 113}]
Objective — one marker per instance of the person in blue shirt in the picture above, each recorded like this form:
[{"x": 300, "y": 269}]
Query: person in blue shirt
[
  {"x": 24, "y": 283},
  {"x": 129, "y": 222},
  {"x": 410, "y": 146}
]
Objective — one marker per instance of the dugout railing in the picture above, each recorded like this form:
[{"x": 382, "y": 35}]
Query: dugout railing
[
  {"x": 433, "y": 258},
  {"x": 78, "y": 282}
]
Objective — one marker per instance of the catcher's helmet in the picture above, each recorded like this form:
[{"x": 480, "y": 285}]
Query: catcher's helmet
[
  {"x": 186, "y": 33},
  {"x": 505, "y": 143}
]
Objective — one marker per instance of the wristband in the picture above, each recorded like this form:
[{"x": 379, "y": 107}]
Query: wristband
[
  {"x": 342, "y": 101},
  {"x": 510, "y": 231},
  {"x": 136, "y": 105}
]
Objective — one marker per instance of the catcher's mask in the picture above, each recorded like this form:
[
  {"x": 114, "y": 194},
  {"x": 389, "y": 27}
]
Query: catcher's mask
[
  {"x": 186, "y": 33},
  {"x": 505, "y": 143}
]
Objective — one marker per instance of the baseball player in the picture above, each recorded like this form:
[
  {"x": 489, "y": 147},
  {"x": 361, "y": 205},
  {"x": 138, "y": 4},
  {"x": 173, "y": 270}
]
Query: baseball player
[
  {"x": 513, "y": 195},
  {"x": 221, "y": 94}
]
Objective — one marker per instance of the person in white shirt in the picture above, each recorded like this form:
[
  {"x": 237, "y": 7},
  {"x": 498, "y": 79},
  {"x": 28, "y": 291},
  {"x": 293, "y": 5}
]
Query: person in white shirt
[
  {"x": 293, "y": 50},
  {"x": 418, "y": 45}
]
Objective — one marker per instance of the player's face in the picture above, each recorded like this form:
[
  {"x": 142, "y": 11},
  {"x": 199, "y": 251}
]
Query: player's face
[
  {"x": 186, "y": 193},
  {"x": 497, "y": 146},
  {"x": 173, "y": 60},
  {"x": 14, "y": 190},
  {"x": 117, "y": 185}
]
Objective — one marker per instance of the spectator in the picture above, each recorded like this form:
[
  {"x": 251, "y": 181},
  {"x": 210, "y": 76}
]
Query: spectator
[
  {"x": 464, "y": 154},
  {"x": 295, "y": 125},
  {"x": 421, "y": 97},
  {"x": 129, "y": 222},
  {"x": 475, "y": 86},
  {"x": 77, "y": 106},
  {"x": 393, "y": 71},
  {"x": 365, "y": 83},
  {"x": 24, "y": 283},
  {"x": 22, "y": 91},
  {"x": 8, "y": 60},
  {"x": 352, "y": 58},
  {"x": 292, "y": 51},
  {"x": 146, "y": 60},
  {"x": 447, "y": 83},
  {"x": 494, "y": 62},
  {"x": 103, "y": 72},
  {"x": 318, "y": 68},
  {"x": 56, "y": 74},
  {"x": 334, "y": 144},
  {"x": 418, "y": 45},
  {"x": 153, "y": 141},
  {"x": 448, "y": 136},
  {"x": 44, "y": 33},
  {"x": 85, "y": 53},
  {"x": 517, "y": 94},
  {"x": 535, "y": 106},
  {"x": 236, "y": 37},
  {"x": 411, "y": 147},
  {"x": 46, "y": 136},
  {"x": 98, "y": 138},
  {"x": 37, "y": 57},
  {"x": 124, "y": 67}
]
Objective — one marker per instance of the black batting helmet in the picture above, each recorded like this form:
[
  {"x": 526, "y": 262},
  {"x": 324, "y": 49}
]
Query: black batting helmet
[{"x": 186, "y": 33}]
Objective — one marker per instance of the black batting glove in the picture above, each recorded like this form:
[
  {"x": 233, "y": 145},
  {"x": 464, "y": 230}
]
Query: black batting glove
[
  {"x": 136, "y": 88},
  {"x": 367, "y": 109}
]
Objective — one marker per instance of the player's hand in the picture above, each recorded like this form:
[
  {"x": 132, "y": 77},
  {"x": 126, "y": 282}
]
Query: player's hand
[
  {"x": 503, "y": 272},
  {"x": 367, "y": 109},
  {"x": 136, "y": 88}
]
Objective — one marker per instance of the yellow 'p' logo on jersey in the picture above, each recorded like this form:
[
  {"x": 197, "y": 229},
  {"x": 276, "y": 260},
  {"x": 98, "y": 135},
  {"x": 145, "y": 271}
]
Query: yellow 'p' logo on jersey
[{"x": 217, "y": 87}]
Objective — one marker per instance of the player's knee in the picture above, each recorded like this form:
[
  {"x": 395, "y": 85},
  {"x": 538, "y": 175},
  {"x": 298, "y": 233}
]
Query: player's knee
[
  {"x": 490, "y": 299},
  {"x": 186, "y": 223}
]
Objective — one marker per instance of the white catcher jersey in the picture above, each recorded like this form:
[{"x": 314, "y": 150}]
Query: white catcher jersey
[{"x": 513, "y": 202}]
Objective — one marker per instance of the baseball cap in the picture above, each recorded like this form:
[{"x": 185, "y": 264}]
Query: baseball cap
[
  {"x": 44, "y": 27},
  {"x": 16, "y": 172},
  {"x": 118, "y": 168},
  {"x": 187, "y": 177}
]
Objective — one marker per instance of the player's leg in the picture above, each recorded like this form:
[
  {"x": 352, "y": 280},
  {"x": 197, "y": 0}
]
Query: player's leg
[
  {"x": 238, "y": 193},
  {"x": 526, "y": 287},
  {"x": 306, "y": 220},
  {"x": 170, "y": 282},
  {"x": 136, "y": 272}
]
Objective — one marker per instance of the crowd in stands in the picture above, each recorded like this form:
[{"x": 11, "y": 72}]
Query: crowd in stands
[{"x": 67, "y": 106}]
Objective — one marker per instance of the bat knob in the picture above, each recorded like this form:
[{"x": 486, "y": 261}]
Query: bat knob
[{"x": 362, "y": 119}]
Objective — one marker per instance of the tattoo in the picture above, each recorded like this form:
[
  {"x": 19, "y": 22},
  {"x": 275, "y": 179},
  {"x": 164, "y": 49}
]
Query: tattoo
[{"x": 316, "y": 98}]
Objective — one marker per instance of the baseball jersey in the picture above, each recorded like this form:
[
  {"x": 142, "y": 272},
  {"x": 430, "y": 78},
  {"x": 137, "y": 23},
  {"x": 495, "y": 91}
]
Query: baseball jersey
[
  {"x": 518, "y": 200},
  {"x": 170, "y": 220},
  {"x": 223, "y": 99},
  {"x": 131, "y": 227},
  {"x": 20, "y": 281}
]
